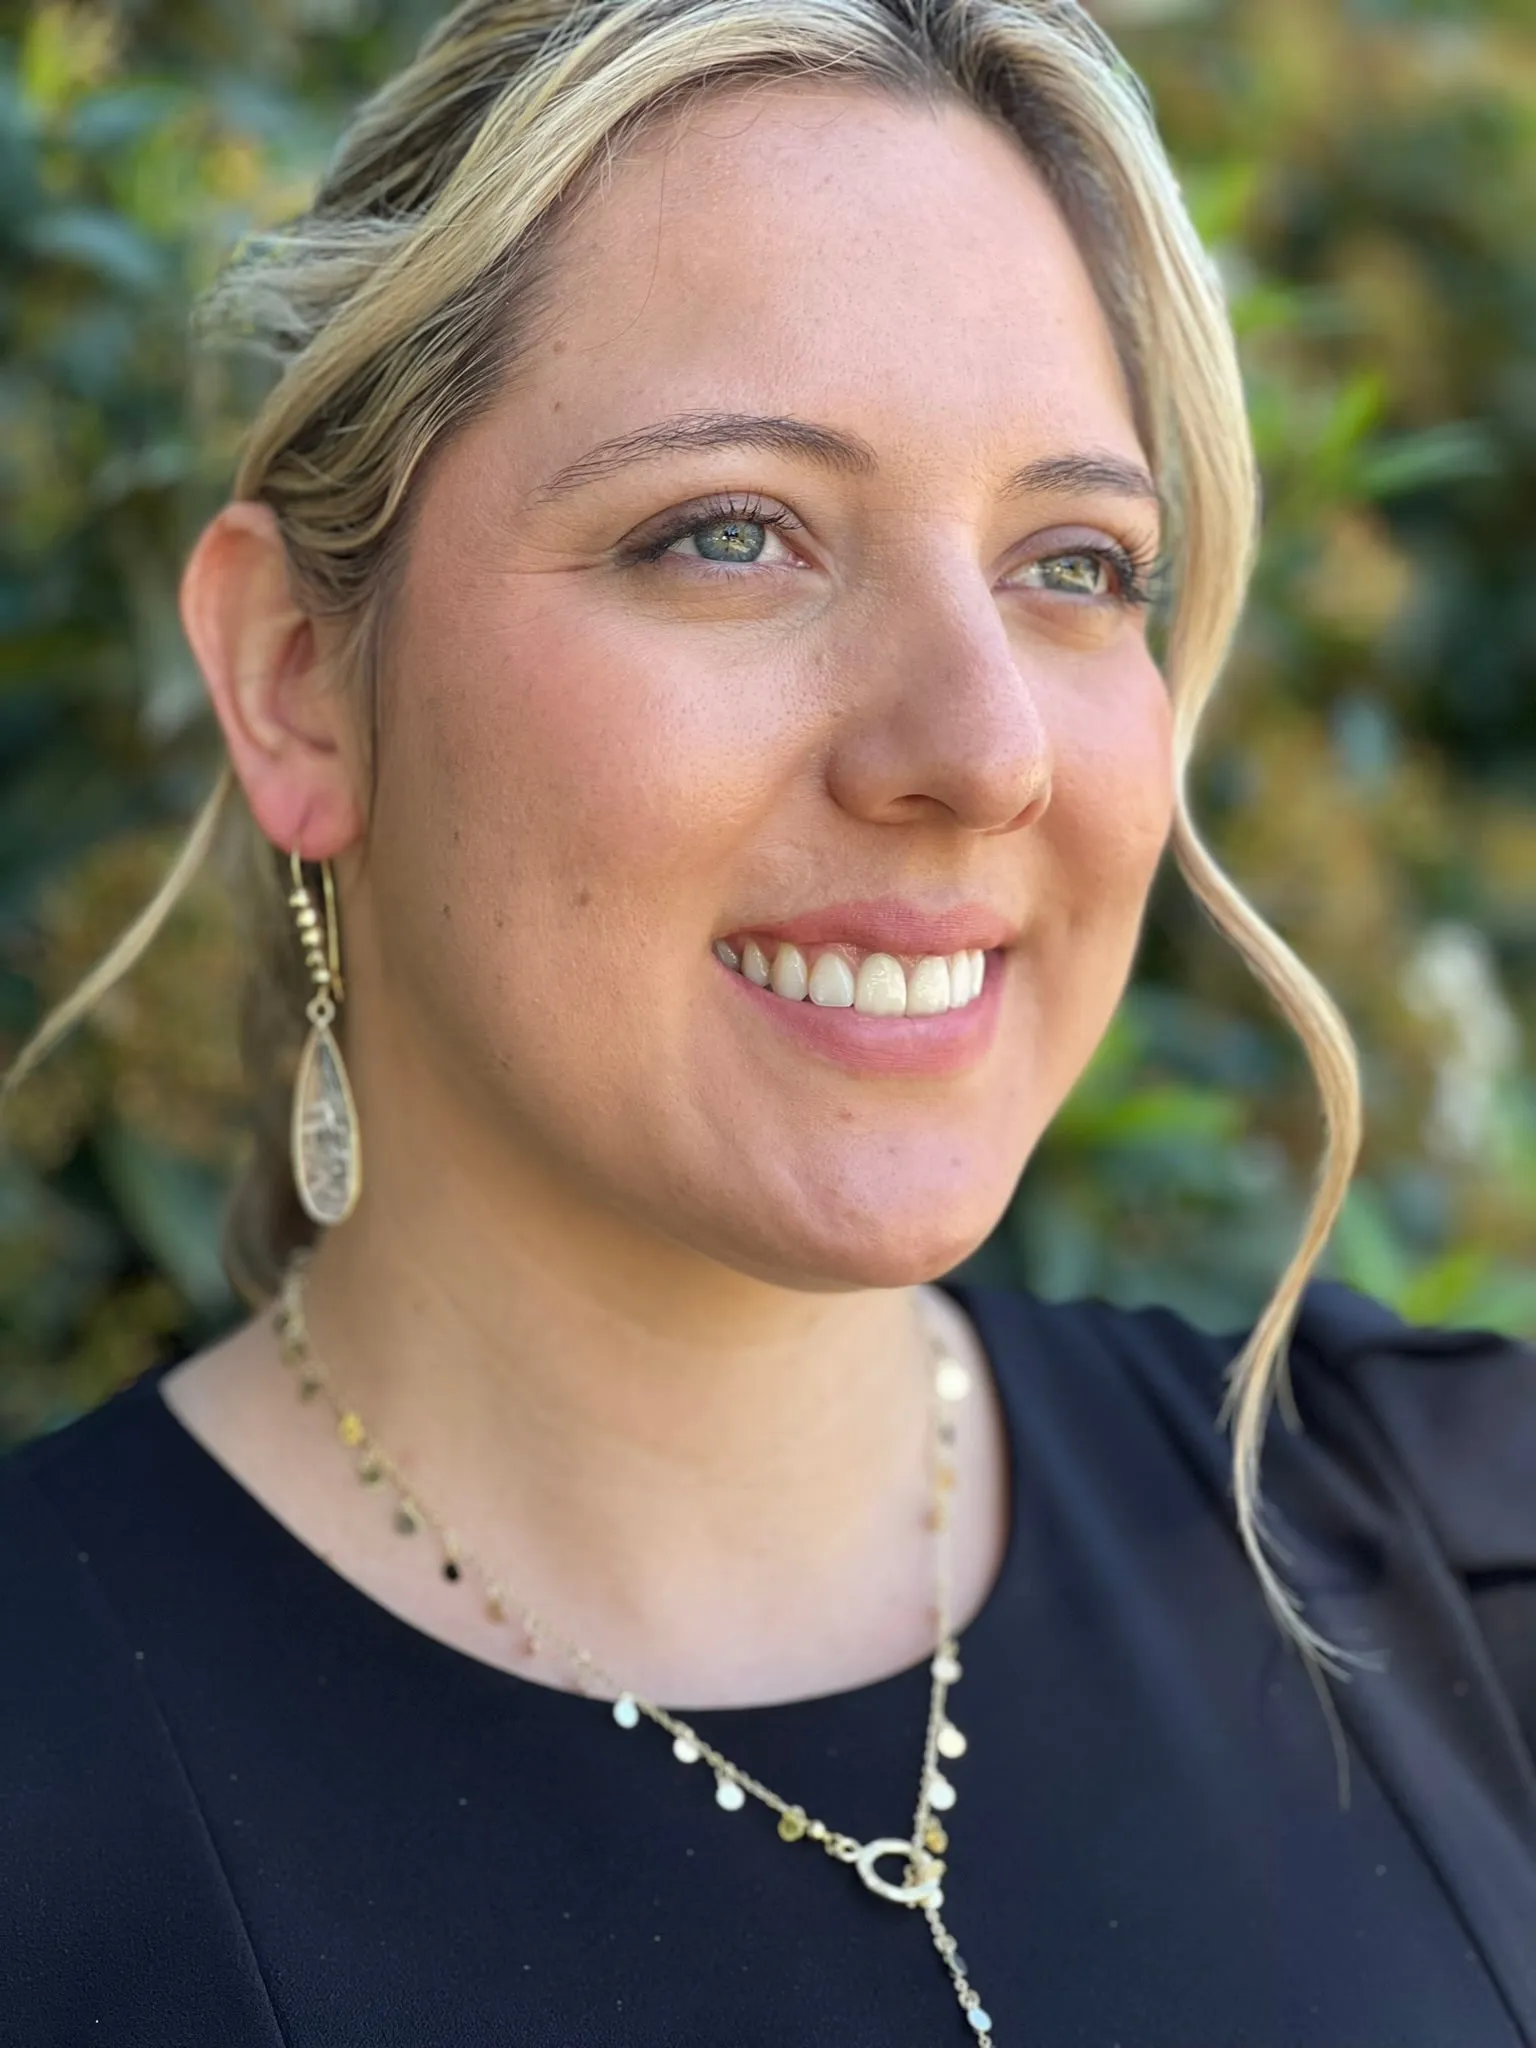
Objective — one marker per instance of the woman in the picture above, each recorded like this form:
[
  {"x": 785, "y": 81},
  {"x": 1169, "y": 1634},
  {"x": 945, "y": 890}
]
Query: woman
[{"x": 681, "y": 634}]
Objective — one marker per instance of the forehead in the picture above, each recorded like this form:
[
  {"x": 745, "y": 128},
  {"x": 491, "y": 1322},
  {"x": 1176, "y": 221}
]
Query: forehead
[{"x": 826, "y": 249}]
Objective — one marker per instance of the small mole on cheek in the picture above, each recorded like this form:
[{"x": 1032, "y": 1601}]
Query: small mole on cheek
[
  {"x": 583, "y": 898},
  {"x": 448, "y": 912}
]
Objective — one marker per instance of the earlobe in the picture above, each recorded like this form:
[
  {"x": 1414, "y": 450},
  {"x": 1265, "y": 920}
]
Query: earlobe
[{"x": 286, "y": 722}]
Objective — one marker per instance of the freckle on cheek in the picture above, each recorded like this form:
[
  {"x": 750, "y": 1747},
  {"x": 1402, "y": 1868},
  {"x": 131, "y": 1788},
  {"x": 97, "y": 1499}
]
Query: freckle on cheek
[{"x": 582, "y": 898}]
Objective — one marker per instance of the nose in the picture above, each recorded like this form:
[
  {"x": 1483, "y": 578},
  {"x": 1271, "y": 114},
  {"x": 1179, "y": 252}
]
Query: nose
[{"x": 946, "y": 719}]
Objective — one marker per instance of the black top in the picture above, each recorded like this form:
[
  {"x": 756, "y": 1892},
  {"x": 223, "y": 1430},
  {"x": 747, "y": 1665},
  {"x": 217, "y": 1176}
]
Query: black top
[{"x": 243, "y": 1805}]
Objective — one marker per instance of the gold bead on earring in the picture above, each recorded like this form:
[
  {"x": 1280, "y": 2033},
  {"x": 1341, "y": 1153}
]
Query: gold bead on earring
[{"x": 327, "y": 1158}]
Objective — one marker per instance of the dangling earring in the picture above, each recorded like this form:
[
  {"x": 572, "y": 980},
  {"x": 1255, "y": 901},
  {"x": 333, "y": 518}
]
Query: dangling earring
[{"x": 327, "y": 1159}]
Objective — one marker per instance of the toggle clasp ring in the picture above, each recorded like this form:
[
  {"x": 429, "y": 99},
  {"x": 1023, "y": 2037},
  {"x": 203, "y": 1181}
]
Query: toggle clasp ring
[{"x": 904, "y": 1894}]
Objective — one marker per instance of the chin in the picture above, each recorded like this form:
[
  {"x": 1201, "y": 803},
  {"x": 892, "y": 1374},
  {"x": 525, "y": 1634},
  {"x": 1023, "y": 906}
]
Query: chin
[
  {"x": 885, "y": 1247},
  {"x": 911, "y": 1260}
]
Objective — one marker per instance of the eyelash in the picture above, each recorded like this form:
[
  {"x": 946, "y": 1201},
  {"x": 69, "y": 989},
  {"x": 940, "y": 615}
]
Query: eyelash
[
  {"x": 750, "y": 510},
  {"x": 1138, "y": 572}
]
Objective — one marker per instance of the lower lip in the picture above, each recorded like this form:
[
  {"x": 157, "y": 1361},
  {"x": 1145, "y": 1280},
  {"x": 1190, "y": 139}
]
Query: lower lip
[{"x": 946, "y": 1044}]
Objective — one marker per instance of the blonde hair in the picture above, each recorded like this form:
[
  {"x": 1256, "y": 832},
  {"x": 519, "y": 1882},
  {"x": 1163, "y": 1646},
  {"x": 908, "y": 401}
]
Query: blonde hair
[{"x": 394, "y": 306}]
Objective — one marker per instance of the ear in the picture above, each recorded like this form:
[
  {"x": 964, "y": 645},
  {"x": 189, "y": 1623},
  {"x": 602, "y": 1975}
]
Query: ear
[{"x": 291, "y": 734}]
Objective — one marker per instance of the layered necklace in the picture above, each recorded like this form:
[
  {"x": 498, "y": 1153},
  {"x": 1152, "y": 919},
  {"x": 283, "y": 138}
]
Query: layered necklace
[{"x": 921, "y": 1854}]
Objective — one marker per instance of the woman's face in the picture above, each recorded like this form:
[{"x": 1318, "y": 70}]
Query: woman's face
[{"x": 783, "y": 609}]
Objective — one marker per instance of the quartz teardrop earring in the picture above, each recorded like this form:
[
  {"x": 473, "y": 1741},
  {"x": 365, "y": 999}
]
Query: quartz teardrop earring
[{"x": 327, "y": 1157}]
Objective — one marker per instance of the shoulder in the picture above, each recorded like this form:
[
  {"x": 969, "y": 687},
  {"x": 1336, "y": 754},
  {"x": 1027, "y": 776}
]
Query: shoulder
[
  {"x": 73, "y": 1508},
  {"x": 62, "y": 1498},
  {"x": 53, "y": 1488},
  {"x": 105, "y": 1856},
  {"x": 72, "y": 1713},
  {"x": 1452, "y": 1410},
  {"x": 1447, "y": 1414},
  {"x": 1339, "y": 1336}
]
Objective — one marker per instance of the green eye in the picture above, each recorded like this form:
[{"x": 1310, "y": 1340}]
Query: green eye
[
  {"x": 729, "y": 540},
  {"x": 1080, "y": 575},
  {"x": 1099, "y": 573},
  {"x": 734, "y": 533}
]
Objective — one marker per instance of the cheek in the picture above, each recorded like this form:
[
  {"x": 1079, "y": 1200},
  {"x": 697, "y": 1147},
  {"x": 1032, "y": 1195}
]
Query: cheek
[
  {"x": 1101, "y": 842},
  {"x": 1112, "y": 795},
  {"x": 587, "y": 767}
]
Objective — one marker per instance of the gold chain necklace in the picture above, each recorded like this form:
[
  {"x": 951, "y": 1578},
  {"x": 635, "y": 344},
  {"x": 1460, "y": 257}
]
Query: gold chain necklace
[{"x": 923, "y": 1852}]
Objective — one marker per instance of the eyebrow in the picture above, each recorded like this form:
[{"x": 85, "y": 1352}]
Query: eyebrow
[
  {"x": 1100, "y": 475},
  {"x": 845, "y": 454}
]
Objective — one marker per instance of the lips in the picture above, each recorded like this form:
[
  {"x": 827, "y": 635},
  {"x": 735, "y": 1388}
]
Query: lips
[{"x": 814, "y": 998}]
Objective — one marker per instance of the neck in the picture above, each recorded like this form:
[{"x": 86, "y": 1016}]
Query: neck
[{"x": 716, "y": 1484}]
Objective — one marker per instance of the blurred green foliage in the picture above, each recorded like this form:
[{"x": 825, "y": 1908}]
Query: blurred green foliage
[{"x": 1366, "y": 170}]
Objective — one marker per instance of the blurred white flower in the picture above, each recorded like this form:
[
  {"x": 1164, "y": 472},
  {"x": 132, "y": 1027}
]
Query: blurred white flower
[{"x": 1452, "y": 982}]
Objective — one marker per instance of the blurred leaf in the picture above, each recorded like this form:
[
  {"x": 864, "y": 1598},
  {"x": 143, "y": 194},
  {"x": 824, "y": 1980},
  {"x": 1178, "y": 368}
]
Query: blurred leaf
[
  {"x": 100, "y": 242},
  {"x": 1365, "y": 1250},
  {"x": 1445, "y": 454},
  {"x": 66, "y": 49},
  {"x": 111, "y": 120},
  {"x": 172, "y": 1206}
]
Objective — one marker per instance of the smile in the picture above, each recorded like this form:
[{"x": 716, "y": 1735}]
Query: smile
[{"x": 846, "y": 977}]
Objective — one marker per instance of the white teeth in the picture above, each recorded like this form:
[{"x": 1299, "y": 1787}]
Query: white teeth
[
  {"x": 789, "y": 977},
  {"x": 928, "y": 987},
  {"x": 882, "y": 987},
  {"x": 832, "y": 983}
]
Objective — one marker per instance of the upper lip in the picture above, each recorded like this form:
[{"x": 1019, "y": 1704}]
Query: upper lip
[{"x": 887, "y": 924}]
